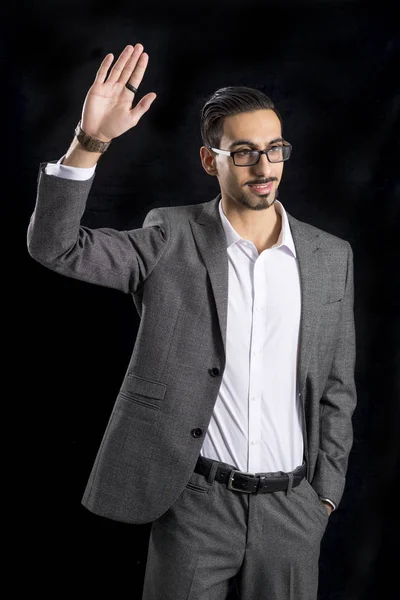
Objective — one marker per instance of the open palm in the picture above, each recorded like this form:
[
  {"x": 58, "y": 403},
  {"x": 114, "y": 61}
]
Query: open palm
[{"x": 107, "y": 111}]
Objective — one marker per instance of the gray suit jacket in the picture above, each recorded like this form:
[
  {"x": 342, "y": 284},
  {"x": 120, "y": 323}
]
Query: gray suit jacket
[{"x": 176, "y": 269}]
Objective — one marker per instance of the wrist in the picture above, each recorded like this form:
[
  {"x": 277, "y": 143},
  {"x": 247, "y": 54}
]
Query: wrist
[
  {"x": 78, "y": 156},
  {"x": 94, "y": 135},
  {"x": 90, "y": 142}
]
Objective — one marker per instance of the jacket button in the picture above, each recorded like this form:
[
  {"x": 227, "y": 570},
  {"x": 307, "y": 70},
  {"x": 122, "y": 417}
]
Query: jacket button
[
  {"x": 197, "y": 432},
  {"x": 214, "y": 371}
]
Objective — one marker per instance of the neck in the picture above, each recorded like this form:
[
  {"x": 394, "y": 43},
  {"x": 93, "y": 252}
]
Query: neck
[{"x": 262, "y": 227}]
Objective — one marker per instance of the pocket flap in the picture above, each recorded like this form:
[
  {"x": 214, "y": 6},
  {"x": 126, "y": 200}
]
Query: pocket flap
[{"x": 145, "y": 387}]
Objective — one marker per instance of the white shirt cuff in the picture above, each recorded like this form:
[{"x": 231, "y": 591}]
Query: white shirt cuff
[{"x": 66, "y": 172}]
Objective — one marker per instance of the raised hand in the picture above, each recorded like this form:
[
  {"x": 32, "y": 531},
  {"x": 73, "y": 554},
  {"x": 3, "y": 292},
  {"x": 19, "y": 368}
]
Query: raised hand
[{"x": 107, "y": 111}]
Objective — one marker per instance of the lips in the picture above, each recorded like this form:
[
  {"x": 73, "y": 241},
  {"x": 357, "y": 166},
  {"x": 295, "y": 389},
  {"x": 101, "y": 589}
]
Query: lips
[{"x": 262, "y": 189}]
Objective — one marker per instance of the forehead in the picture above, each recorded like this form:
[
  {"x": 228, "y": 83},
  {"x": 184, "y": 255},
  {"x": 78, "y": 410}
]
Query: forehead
[{"x": 259, "y": 126}]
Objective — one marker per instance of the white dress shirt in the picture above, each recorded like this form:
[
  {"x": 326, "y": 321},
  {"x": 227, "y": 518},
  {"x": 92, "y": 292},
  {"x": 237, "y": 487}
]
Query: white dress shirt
[{"x": 256, "y": 424}]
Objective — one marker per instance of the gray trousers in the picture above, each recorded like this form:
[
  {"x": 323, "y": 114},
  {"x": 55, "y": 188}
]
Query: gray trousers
[{"x": 212, "y": 538}]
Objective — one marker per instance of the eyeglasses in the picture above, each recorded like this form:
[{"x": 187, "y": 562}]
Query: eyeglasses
[{"x": 246, "y": 158}]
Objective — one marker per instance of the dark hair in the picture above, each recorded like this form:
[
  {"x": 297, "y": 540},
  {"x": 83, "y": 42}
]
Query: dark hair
[{"x": 228, "y": 101}]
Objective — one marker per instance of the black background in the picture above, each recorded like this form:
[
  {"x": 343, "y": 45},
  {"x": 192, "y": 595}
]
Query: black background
[{"x": 330, "y": 69}]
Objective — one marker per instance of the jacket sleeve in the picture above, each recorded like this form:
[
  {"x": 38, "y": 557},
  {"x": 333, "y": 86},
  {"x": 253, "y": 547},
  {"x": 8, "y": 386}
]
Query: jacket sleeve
[
  {"x": 338, "y": 402},
  {"x": 104, "y": 256}
]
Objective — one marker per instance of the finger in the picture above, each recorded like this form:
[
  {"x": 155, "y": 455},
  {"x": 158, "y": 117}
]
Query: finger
[
  {"x": 137, "y": 63},
  {"x": 139, "y": 71},
  {"x": 120, "y": 64},
  {"x": 102, "y": 71},
  {"x": 141, "y": 107}
]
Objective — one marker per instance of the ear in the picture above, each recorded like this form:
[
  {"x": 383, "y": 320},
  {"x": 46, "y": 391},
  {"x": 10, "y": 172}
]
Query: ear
[{"x": 208, "y": 160}]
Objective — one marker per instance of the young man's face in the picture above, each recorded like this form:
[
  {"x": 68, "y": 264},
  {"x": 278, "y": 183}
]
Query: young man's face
[{"x": 263, "y": 128}]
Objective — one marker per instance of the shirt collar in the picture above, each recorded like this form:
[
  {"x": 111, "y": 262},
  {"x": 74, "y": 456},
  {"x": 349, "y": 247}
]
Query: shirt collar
[{"x": 284, "y": 239}]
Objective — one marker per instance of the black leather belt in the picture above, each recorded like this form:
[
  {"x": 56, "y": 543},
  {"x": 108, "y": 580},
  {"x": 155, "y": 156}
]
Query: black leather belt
[{"x": 249, "y": 483}]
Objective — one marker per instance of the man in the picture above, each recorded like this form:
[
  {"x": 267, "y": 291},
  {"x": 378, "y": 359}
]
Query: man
[{"x": 232, "y": 427}]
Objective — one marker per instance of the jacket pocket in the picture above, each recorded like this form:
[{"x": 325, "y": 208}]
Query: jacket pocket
[
  {"x": 145, "y": 392},
  {"x": 135, "y": 399}
]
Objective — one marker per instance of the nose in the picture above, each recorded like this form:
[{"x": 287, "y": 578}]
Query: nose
[{"x": 263, "y": 166}]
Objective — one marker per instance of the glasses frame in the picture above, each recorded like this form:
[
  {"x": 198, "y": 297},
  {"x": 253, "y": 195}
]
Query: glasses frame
[{"x": 232, "y": 154}]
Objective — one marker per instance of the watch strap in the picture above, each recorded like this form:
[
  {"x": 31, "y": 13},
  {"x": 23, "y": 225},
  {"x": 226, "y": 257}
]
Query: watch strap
[{"x": 88, "y": 142}]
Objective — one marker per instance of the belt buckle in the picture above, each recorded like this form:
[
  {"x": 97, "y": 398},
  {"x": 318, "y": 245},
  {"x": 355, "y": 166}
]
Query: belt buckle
[{"x": 230, "y": 481}]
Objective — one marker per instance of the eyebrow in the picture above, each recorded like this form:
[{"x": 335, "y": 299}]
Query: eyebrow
[{"x": 249, "y": 143}]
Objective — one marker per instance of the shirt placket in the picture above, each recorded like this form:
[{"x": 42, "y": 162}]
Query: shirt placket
[{"x": 256, "y": 366}]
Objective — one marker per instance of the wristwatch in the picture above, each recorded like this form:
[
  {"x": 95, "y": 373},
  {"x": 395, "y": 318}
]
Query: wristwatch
[{"x": 88, "y": 142}]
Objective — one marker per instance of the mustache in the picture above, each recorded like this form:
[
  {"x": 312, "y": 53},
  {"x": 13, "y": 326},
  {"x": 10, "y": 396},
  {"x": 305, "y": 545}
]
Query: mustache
[{"x": 261, "y": 182}]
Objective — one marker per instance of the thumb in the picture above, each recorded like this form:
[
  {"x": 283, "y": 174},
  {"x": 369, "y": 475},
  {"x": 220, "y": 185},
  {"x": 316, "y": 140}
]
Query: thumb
[{"x": 142, "y": 107}]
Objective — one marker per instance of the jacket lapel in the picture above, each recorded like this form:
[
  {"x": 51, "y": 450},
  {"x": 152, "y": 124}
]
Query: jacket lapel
[
  {"x": 309, "y": 257},
  {"x": 210, "y": 239}
]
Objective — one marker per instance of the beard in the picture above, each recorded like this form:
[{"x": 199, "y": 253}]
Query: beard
[{"x": 263, "y": 202}]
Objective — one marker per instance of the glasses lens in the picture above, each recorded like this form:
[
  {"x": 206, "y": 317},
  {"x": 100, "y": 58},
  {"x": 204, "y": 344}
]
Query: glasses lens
[
  {"x": 250, "y": 157},
  {"x": 279, "y": 153},
  {"x": 246, "y": 157}
]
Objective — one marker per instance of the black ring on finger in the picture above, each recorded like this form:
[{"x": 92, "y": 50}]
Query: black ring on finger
[{"x": 131, "y": 88}]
